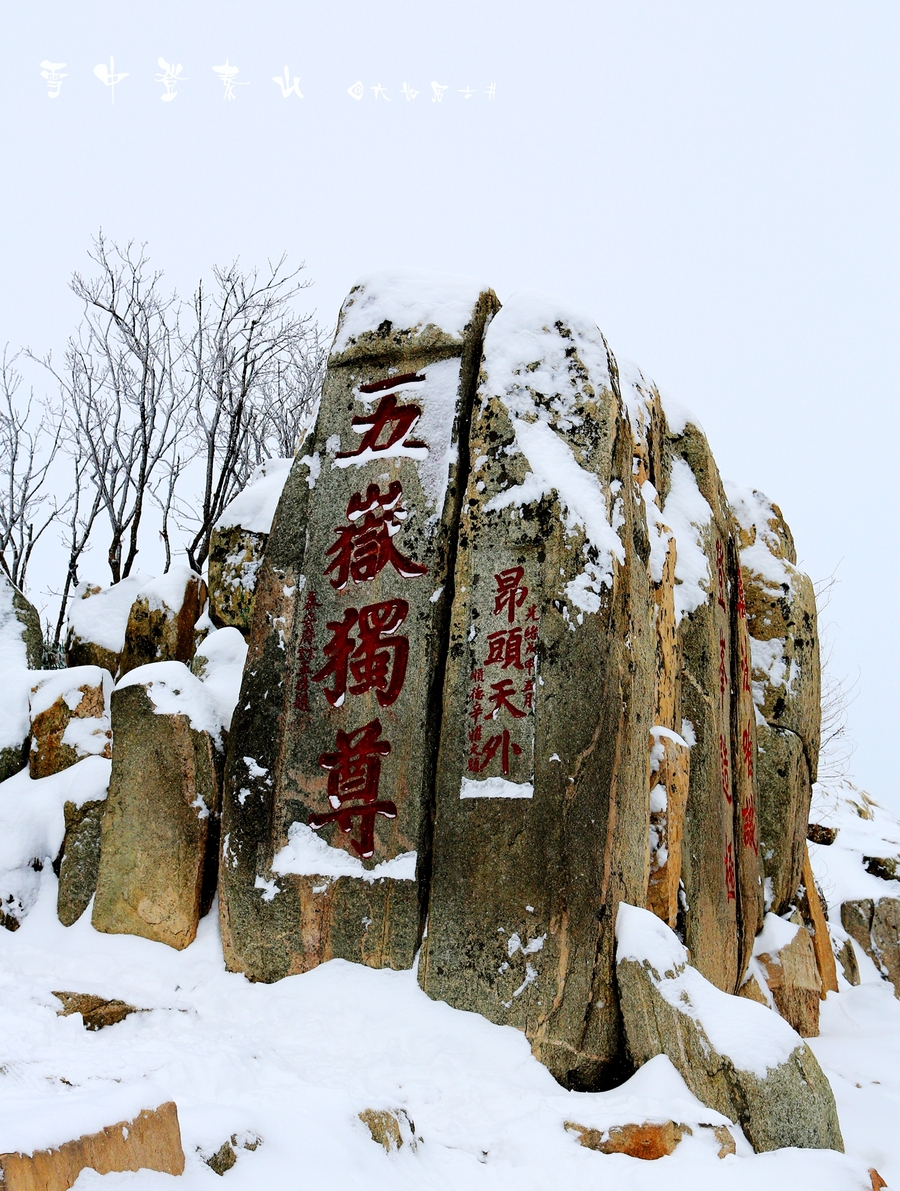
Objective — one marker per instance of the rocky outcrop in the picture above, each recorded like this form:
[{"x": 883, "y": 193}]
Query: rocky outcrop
[
  {"x": 21, "y": 647},
  {"x": 781, "y": 617},
  {"x": 160, "y": 830},
  {"x": 238, "y": 543},
  {"x": 162, "y": 619},
  {"x": 734, "y": 1055},
  {"x": 69, "y": 718},
  {"x": 329, "y": 788},
  {"x": 875, "y": 925},
  {"x": 540, "y": 783},
  {"x": 150, "y": 1141}
]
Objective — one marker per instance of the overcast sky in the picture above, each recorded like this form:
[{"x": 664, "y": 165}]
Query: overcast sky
[{"x": 714, "y": 182}]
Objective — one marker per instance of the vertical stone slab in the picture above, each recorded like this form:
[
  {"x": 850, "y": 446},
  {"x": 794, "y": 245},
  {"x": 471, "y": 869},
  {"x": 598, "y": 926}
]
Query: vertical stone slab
[
  {"x": 786, "y": 686},
  {"x": 748, "y": 865},
  {"x": 709, "y": 862},
  {"x": 542, "y": 788},
  {"x": 328, "y": 794}
]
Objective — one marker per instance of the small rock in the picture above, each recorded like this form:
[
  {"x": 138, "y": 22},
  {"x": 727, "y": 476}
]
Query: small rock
[
  {"x": 877, "y": 1181},
  {"x": 226, "y": 1155},
  {"x": 96, "y": 1012},
  {"x": 885, "y": 867},
  {"x": 390, "y": 1129},
  {"x": 723, "y": 1136},
  {"x": 817, "y": 834},
  {"x": 846, "y": 957},
  {"x": 876, "y": 927},
  {"x": 648, "y": 1140}
]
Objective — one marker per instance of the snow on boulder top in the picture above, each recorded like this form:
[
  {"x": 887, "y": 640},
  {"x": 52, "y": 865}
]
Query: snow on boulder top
[
  {"x": 49, "y": 685},
  {"x": 14, "y": 722},
  {"x": 407, "y": 300},
  {"x": 254, "y": 508},
  {"x": 637, "y": 393},
  {"x": 101, "y": 617},
  {"x": 527, "y": 367},
  {"x": 219, "y": 664},
  {"x": 174, "y": 690},
  {"x": 168, "y": 591},
  {"x": 866, "y": 833},
  {"x": 767, "y": 551},
  {"x": 754, "y": 1038}
]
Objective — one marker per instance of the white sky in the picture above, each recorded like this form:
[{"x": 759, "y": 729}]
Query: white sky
[{"x": 715, "y": 183}]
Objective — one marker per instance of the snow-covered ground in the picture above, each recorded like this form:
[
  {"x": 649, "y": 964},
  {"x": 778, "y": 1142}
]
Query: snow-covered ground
[{"x": 294, "y": 1063}]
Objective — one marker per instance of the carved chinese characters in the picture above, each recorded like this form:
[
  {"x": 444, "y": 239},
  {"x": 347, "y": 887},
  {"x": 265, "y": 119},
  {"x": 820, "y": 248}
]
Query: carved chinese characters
[
  {"x": 328, "y": 793},
  {"x": 542, "y": 784}
]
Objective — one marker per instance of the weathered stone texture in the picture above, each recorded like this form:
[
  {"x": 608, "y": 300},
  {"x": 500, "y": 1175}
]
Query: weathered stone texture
[
  {"x": 235, "y": 556},
  {"x": 663, "y": 1000},
  {"x": 346, "y": 652},
  {"x": 875, "y": 925},
  {"x": 813, "y": 912},
  {"x": 648, "y": 1140},
  {"x": 543, "y": 775},
  {"x": 151, "y": 1141},
  {"x": 786, "y": 677},
  {"x": 80, "y": 859},
  {"x": 670, "y": 782},
  {"x": 75, "y": 724},
  {"x": 795, "y": 984},
  {"x": 96, "y": 1012},
  {"x": 162, "y": 811},
  {"x": 162, "y": 619}
]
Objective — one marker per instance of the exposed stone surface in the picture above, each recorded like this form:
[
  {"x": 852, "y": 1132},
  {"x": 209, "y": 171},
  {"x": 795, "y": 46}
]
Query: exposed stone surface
[
  {"x": 846, "y": 957},
  {"x": 794, "y": 981},
  {"x": 875, "y": 925},
  {"x": 542, "y": 788},
  {"x": 670, "y": 779},
  {"x": 151, "y": 1141},
  {"x": 736, "y": 1057},
  {"x": 80, "y": 859},
  {"x": 781, "y": 613},
  {"x": 814, "y": 915},
  {"x": 235, "y": 556},
  {"x": 817, "y": 834},
  {"x": 96, "y": 1012},
  {"x": 331, "y": 771},
  {"x": 648, "y": 1140},
  {"x": 158, "y": 839},
  {"x": 226, "y": 1155},
  {"x": 162, "y": 619},
  {"x": 69, "y": 718},
  {"x": 390, "y": 1129},
  {"x": 21, "y": 646},
  {"x": 238, "y": 543}
]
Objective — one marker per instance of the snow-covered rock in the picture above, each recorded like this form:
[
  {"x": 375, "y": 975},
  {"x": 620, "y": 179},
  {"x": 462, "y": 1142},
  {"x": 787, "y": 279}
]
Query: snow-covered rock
[{"x": 734, "y": 1055}]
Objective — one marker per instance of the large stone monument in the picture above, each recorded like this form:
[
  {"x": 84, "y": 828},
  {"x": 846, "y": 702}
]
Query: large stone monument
[
  {"x": 503, "y": 675},
  {"x": 326, "y": 825}
]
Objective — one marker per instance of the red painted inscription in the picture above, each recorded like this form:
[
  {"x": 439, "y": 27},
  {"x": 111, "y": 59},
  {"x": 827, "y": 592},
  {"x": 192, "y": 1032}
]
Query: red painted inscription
[
  {"x": 390, "y": 417},
  {"x": 366, "y": 546},
  {"x": 354, "y": 771},
  {"x": 374, "y": 658}
]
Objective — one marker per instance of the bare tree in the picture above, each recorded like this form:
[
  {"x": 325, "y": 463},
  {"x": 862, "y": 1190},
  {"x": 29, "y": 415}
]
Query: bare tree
[
  {"x": 80, "y": 520},
  {"x": 254, "y": 369},
  {"x": 27, "y": 449},
  {"x": 122, "y": 409},
  {"x": 837, "y": 745}
]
